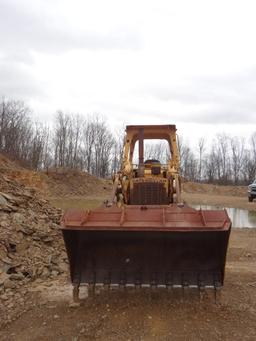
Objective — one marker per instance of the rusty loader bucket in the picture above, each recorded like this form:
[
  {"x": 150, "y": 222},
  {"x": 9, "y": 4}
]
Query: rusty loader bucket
[{"x": 157, "y": 246}]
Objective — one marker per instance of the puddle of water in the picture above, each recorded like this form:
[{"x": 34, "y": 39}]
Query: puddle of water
[{"x": 239, "y": 217}]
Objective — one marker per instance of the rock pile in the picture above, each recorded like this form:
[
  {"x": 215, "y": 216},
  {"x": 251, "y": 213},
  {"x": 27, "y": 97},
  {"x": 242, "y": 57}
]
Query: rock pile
[{"x": 31, "y": 244}]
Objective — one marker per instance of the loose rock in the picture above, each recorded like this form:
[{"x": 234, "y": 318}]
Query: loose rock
[{"x": 27, "y": 242}]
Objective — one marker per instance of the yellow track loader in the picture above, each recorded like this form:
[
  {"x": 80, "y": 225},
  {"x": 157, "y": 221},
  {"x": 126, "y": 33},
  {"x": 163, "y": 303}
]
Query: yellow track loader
[{"x": 145, "y": 235}]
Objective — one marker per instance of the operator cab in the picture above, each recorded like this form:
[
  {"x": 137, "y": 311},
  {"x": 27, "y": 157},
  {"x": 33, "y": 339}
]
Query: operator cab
[{"x": 152, "y": 166}]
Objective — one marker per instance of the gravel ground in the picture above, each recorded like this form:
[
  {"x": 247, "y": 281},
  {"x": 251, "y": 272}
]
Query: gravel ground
[
  {"x": 148, "y": 315},
  {"x": 145, "y": 315}
]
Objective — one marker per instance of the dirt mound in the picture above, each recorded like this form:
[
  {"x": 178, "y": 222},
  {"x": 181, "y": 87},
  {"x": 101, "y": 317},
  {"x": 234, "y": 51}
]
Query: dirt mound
[
  {"x": 62, "y": 182},
  {"x": 193, "y": 187},
  {"x": 6, "y": 163},
  {"x": 31, "y": 245},
  {"x": 22, "y": 175},
  {"x": 56, "y": 182}
]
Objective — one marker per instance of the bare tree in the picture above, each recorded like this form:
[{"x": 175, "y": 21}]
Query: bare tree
[
  {"x": 60, "y": 138},
  {"x": 117, "y": 150},
  {"x": 156, "y": 150},
  {"x": 102, "y": 146},
  {"x": 201, "y": 147},
  {"x": 248, "y": 168},
  {"x": 87, "y": 143},
  {"x": 211, "y": 165},
  {"x": 237, "y": 156},
  {"x": 16, "y": 130},
  {"x": 36, "y": 150},
  {"x": 48, "y": 157},
  {"x": 188, "y": 162},
  {"x": 223, "y": 158}
]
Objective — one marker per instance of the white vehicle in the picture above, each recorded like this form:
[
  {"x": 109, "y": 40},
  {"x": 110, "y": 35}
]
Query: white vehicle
[{"x": 252, "y": 191}]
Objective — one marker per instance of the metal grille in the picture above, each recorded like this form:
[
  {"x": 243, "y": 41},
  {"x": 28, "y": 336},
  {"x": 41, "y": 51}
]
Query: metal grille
[{"x": 148, "y": 193}]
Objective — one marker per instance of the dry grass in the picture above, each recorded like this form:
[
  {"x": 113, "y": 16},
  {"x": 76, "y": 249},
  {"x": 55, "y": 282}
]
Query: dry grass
[{"x": 77, "y": 202}]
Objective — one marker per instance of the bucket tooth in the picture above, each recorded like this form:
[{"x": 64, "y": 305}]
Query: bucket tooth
[
  {"x": 201, "y": 287},
  {"x": 184, "y": 281},
  {"x": 138, "y": 281},
  {"x": 107, "y": 281},
  {"x": 75, "y": 293},
  {"x": 91, "y": 289},
  {"x": 202, "y": 291},
  {"x": 114, "y": 285},
  {"x": 169, "y": 281},
  {"x": 153, "y": 281},
  {"x": 217, "y": 292},
  {"x": 121, "y": 287},
  {"x": 161, "y": 286},
  {"x": 92, "y": 278},
  {"x": 185, "y": 286},
  {"x": 106, "y": 287},
  {"x": 217, "y": 295},
  {"x": 168, "y": 278},
  {"x": 122, "y": 281}
]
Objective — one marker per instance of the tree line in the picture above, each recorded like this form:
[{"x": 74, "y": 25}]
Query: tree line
[
  {"x": 73, "y": 141},
  {"x": 88, "y": 144},
  {"x": 225, "y": 160}
]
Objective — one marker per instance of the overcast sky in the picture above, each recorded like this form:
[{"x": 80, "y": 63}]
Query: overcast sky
[{"x": 189, "y": 63}]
